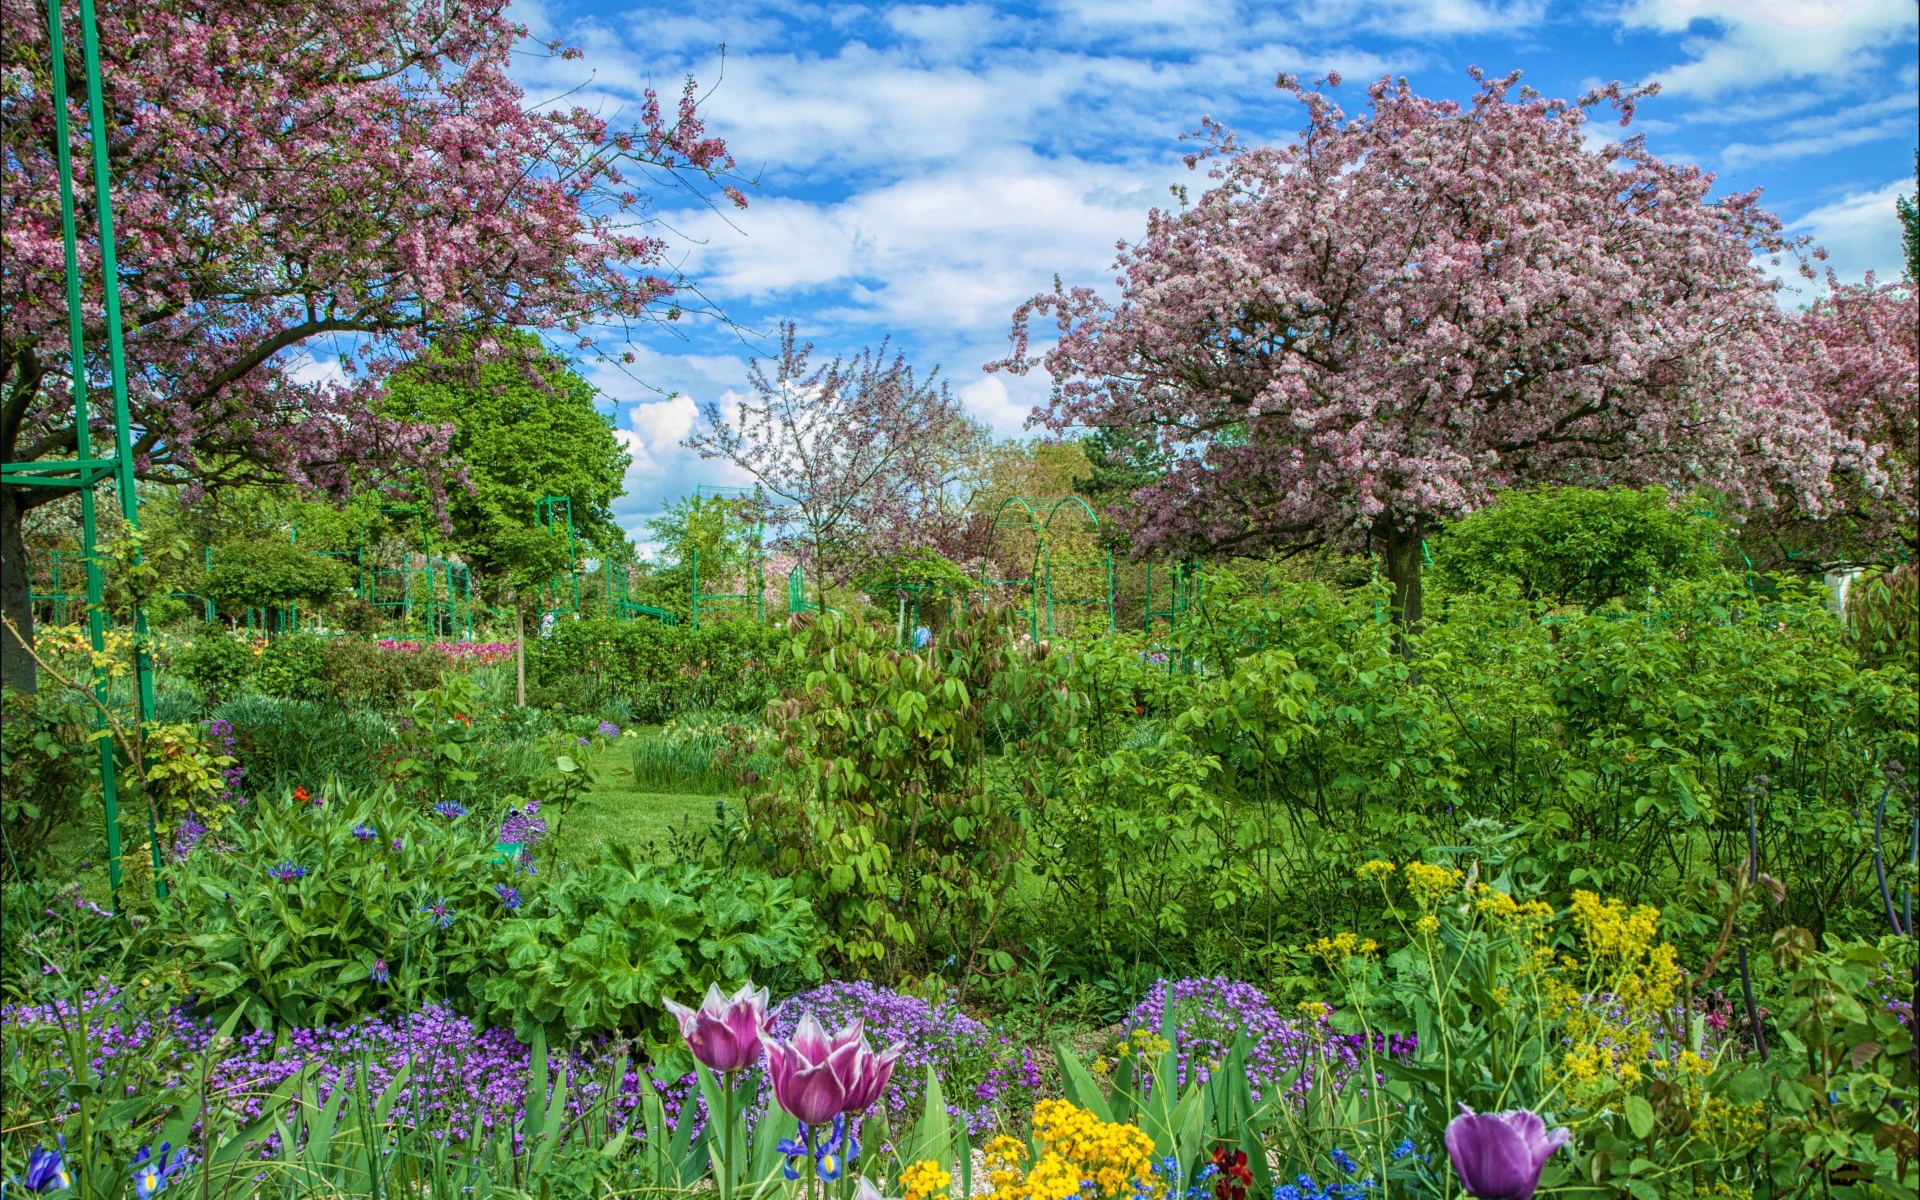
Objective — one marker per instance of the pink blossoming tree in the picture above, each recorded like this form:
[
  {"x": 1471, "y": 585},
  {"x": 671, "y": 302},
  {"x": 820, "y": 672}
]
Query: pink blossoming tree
[
  {"x": 855, "y": 458},
  {"x": 1382, "y": 324},
  {"x": 283, "y": 172},
  {"x": 1858, "y": 347}
]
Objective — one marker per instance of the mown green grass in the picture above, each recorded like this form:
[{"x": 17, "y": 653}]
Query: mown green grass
[{"x": 617, "y": 811}]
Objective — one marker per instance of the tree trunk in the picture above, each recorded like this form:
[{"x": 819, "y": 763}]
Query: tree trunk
[
  {"x": 16, "y": 665},
  {"x": 1402, "y": 550}
]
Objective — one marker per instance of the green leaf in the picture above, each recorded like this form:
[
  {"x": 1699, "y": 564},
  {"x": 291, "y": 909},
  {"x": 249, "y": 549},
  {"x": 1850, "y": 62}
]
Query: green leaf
[
  {"x": 1639, "y": 1115},
  {"x": 1748, "y": 1087},
  {"x": 1081, "y": 1090}
]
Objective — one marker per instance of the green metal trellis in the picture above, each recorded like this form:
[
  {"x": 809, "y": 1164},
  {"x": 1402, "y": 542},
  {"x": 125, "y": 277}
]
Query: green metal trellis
[
  {"x": 1014, "y": 522},
  {"x": 83, "y": 472},
  {"x": 758, "y": 595}
]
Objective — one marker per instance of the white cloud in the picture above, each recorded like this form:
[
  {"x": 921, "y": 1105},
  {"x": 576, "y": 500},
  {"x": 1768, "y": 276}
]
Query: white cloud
[
  {"x": 1861, "y": 232},
  {"x": 663, "y": 470},
  {"x": 956, "y": 249},
  {"x": 1738, "y": 44}
]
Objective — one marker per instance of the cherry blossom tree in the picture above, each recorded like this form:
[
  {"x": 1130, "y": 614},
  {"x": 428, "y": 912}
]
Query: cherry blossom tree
[
  {"x": 856, "y": 459},
  {"x": 360, "y": 175},
  {"x": 1858, "y": 347},
  {"x": 1382, "y": 324}
]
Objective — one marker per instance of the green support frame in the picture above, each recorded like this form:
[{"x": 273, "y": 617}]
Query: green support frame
[
  {"x": 1015, "y": 515},
  {"x": 759, "y": 593},
  {"x": 83, "y": 471}
]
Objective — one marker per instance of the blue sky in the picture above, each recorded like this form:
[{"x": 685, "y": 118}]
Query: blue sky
[{"x": 923, "y": 168}]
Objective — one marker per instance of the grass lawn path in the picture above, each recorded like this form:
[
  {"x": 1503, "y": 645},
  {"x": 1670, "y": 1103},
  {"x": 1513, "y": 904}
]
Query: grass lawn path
[{"x": 620, "y": 813}]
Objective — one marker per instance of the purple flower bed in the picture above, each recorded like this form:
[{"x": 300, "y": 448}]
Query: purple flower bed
[
  {"x": 979, "y": 1069},
  {"x": 1208, "y": 1014},
  {"x": 460, "y": 1072}
]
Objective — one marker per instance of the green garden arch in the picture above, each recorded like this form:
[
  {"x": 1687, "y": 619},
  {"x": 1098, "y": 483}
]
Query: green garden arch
[{"x": 1053, "y": 557}]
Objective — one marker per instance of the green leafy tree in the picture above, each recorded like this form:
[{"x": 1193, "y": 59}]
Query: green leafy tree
[
  {"x": 1571, "y": 545},
  {"x": 269, "y": 573},
  {"x": 1909, "y": 210},
  {"x": 722, "y": 531},
  {"x": 525, "y": 427}
]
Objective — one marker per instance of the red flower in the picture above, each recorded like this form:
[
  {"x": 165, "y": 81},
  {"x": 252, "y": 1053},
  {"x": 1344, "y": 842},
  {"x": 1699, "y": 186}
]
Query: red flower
[
  {"x": 300, "y": 793},
  {"x": 1234, "y": 1176}
]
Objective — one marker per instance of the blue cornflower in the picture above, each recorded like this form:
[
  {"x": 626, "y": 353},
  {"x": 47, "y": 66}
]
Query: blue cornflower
[
  {"x": 286, "y": 872},
  {"x": 509, "y": 897},
  {"x": 441, "y": 911},
  {"x": 450, "y": 809},
  {"x": 1344, "y": 1161},
  {"x": 365, "y": 833}
]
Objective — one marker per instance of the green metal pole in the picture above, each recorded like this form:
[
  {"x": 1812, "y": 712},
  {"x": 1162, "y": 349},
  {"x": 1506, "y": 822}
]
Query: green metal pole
[
  {"x": 1110, "y": 617},
  {"x": 117, "y": 359},
  {"x": 83, "y": 441}
]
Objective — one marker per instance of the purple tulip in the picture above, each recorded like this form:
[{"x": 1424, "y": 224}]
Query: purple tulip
[
  {"x": 724, "y": 1034},
  {"x": 1498, "y": 1156},
  {"x": 872, "y": 1073},
  {"x": 813, "y": 1073}
]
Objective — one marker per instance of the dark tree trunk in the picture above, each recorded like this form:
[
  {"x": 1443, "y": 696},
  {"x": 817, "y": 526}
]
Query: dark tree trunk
[
  {"x": 16, "y": 666},
  {"x": 1400, "y": 545}
]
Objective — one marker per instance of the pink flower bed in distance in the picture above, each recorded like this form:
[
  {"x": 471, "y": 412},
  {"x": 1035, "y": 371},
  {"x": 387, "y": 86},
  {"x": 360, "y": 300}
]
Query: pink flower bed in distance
[{"x": 484, "y": 653}]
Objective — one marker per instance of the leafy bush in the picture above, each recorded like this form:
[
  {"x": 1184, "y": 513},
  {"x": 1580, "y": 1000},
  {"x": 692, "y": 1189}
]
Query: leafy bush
[
  {"x": 284, "y": 744},
  {"x": 1218, "y": 830},
  {"x": 880, "y": 807},
  {"x": 295, "y": 666},
  {"x": 1571, "y": 545},
  {"x": 362, "y": 672},
  {"x": 216, "y": 664},
  {"x": 269, "y": 573},
  {"x": 597, "y": 949},
  {"x": 332, "y": 906},
  {"x": 732, "y": 666},
  {"x": 48, "y": 765}
]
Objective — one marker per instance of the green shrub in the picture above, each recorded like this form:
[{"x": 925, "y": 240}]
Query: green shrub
[
  {"x": 362, "y": 673},
  {"x": 1601, "y": 750},
  {"x": 269, "y": 573},
  {"x": 295, "y": 667},
  {"x": 882, "y": 808},
  {"x": 48, "y": 770},
  {"x": 732, "y": 666},
  {"x": 216, "y": 664},
  {"x": 597, "y": 949},
  {"x": 284, "y": 744},
  {"x": 1570, "y": 545},
  {"x": 380, "y": 887}
]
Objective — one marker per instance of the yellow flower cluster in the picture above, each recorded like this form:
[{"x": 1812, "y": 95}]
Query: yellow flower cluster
[
  {"x": 924, "y": 1179},
  {"x": 1502, "y": 907},
  {"x": 1430, "y": 883},
  {"x": 1144, "y": 1043},
  {"x": 1076, "y": 1149},
  {"x": 1379, "y": 868},
  {"x": 1735, "y": 1127},
  {"x": 1630, "y": 981},
  {"x": 1340, "y": 947}
]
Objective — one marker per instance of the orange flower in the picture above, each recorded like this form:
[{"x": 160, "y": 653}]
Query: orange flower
[{"x": 300, "y": 793}]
